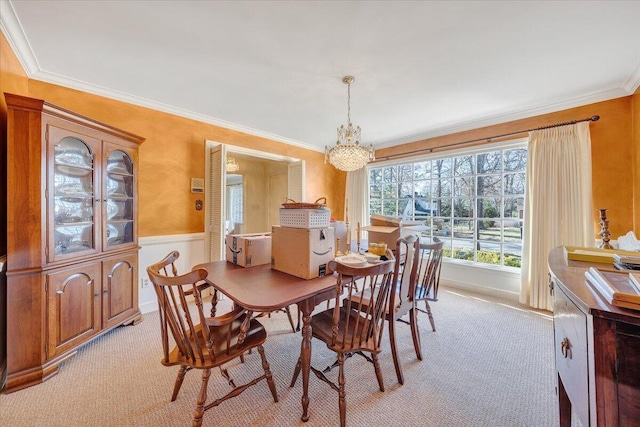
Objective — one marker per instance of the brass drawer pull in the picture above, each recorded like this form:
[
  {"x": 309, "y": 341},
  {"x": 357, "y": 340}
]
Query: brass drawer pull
[{"x": 565, "y": 348}]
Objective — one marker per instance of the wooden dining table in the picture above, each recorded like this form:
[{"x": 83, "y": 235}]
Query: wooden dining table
[{"x": 262, "y": 289}]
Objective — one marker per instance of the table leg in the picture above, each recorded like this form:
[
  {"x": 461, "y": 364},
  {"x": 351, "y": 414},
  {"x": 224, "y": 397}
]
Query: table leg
[
  {"x": 214, "y": 302},
  {"x": 305, "y": 354}
]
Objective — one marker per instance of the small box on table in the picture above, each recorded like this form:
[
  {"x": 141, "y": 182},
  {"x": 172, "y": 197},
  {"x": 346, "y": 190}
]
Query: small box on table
[
  {"x": 302, "y": 252},
  {"x": 248, "y": 250},
  {"x": 386, "y": 229}
]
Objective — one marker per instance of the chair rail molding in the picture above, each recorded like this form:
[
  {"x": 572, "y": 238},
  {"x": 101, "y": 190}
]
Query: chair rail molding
[{"x": 152, "y": 248}]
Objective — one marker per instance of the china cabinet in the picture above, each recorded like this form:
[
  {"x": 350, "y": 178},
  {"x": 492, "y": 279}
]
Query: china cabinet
[{"x": 72, "y": 250}]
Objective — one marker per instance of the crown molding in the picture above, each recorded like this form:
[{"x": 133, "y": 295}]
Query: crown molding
[
  {"x": 633, "y": 81},
  {"x": 511, "y": 116},
  {"x": 158, "y": 106},
  {"x": 12, "y": 29}
]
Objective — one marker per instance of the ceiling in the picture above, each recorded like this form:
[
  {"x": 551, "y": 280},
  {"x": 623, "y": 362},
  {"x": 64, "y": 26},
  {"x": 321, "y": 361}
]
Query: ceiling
[{"x": 275, "y": 68}]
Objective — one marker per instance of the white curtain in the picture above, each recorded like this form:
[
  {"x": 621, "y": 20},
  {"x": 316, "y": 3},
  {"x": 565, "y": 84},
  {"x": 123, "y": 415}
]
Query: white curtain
[
  {"x": 357, "y": 199},
  {"x": 558, "y": 204}
]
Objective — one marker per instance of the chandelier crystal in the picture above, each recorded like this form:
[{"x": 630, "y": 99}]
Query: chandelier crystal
[
  {"x": 232, "y": 165},
  {"x": 348, "y": 155}
]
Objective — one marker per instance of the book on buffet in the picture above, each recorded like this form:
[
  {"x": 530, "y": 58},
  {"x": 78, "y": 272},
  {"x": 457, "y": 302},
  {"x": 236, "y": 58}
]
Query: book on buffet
[
  {"x": 635, "y": 282},
  {"x": 619, "y": 288},
  {"x": 632, "y": 261}
]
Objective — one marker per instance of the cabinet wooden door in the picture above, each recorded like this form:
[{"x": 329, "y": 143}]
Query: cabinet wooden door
[
  {"x": 73, "y": 193},
  {"x": 119, "y": 289},
  {"x": 570, "y": 332},
  {"x": 119, "y": 197},
  {"x": 73, "y": 306}
]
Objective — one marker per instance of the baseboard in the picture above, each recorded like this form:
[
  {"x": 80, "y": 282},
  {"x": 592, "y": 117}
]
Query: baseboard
[
  {"x": 482, "y": 290},
  {"x": 148, "y": 307}
]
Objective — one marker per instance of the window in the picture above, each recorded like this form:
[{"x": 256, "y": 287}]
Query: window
[
  {"x": 235, "y": 203},
  {"x": 473, "y": 201}
]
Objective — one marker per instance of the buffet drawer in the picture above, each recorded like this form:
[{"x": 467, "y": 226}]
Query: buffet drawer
[{"x": 570, "y": 329}]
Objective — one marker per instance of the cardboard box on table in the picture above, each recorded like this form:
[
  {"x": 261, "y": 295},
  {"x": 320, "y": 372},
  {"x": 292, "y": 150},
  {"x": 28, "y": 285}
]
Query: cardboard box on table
[
  {"x": 388, "y": 229},
  {"x": 302, "y": 252},
  {"x": 248, "y": 250}
]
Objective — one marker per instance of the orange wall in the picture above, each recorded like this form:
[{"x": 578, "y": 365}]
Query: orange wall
[
  {"x": 173, "y": 153},
  {"x": 612, "y": 152},
  {"x": 12, "y": 79},
  {"x": 635, "y": 123}
]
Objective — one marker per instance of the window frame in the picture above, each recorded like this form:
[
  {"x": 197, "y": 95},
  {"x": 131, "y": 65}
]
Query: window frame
[{"x": 470, "y": 198}]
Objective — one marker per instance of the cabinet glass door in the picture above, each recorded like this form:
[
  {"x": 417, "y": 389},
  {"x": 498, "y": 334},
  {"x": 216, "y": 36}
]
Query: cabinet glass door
[
  {"x": 73, "y": 198},
  {"x": 119, "y": 198}
]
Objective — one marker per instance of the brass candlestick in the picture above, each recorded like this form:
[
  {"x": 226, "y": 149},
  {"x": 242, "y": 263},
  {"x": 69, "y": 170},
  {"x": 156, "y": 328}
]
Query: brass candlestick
[
  {"x": 347, "y": 251},
  {"x": 604, "y": 232}
]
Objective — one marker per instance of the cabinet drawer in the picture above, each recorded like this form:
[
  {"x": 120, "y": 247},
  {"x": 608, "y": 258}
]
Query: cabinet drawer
[{"x": 570, "y": 329}]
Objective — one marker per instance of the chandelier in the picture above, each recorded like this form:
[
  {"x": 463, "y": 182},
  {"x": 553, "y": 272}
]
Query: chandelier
[
  {"x": 232, "y": 165},
  {"x": 348, "y": 154}
]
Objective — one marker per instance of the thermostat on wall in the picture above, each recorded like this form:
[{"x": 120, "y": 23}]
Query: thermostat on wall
[{"x": 197, "y": 185}]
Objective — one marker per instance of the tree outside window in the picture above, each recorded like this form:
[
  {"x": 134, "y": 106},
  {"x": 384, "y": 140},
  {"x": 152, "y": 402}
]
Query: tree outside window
[{"x": 472, "y": 201}]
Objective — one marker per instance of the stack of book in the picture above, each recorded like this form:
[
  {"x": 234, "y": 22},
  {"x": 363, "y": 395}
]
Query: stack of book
[
  {"x": 621, "y": 289},
  {"x": 626, "y": 262}
]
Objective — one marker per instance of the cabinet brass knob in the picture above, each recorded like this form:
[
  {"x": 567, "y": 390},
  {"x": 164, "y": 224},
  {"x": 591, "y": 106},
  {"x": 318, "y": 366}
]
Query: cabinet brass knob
[{"x": 565, "y": 348}]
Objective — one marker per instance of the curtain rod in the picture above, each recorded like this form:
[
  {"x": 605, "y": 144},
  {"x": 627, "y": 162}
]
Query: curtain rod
[{"x": 489, "y": 138}]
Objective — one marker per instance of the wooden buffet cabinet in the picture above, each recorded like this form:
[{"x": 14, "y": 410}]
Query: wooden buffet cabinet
[
  {"x": 597, "y": 349},
  {"x": 72, "y": 251}
]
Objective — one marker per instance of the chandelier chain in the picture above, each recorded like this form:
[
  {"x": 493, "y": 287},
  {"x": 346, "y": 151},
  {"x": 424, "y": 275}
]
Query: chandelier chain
[{"x": 348, "y": 102}]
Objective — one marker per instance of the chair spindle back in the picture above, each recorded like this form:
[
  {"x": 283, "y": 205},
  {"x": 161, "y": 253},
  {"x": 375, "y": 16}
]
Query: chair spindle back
[
  {"x": 430, "y": 266},
  {"x": 406, "y": 269},
  {"x": 363, "y": 324}
]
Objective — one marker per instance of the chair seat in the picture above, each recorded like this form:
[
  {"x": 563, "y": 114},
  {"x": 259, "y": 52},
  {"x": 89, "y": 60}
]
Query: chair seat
[
  {"x": 322, "y": 324},
  {"x": 256, "y": 335},
  {"x": 425, "y": 293},
  {"x": 366, "y": 299}
]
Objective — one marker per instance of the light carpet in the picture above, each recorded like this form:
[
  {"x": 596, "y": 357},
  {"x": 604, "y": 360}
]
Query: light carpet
[{"x": 489, "y": 363}]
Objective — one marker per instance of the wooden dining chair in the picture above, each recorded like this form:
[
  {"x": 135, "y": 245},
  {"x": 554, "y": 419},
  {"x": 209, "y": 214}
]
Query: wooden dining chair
[
  {"x": 203, "y": 342},
  {"x": 352, "y": 328},
  {"x": 167, "y": 267},
  {"x": 429, "y": 277},
  {"x": 402, "y": 299}
]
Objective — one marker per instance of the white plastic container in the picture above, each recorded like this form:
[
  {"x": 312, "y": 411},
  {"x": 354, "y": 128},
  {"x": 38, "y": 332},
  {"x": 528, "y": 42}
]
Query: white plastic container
[{"x": 305, "y": 218}]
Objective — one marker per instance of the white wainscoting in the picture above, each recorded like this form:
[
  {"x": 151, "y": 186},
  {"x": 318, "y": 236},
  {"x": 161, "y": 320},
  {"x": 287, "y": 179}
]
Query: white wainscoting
[
  {"x": 488, "y": 281},
  {"x": 153, "y": 249}
]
